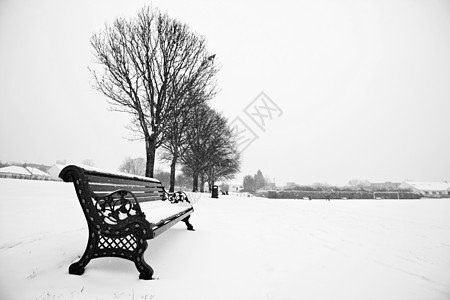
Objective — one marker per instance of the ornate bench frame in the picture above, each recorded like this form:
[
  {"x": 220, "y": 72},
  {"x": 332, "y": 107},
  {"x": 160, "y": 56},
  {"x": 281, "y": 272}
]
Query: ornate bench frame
[{"x": 117, "y": 226}]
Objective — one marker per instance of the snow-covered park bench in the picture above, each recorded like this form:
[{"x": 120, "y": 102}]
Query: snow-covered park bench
[{"x": 117, "y": 224}]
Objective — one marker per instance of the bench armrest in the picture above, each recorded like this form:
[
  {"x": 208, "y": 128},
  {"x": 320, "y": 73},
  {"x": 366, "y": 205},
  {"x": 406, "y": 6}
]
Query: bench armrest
[
  {"x": 118, "y": 207},
  {"x": 176, "y": 197}
]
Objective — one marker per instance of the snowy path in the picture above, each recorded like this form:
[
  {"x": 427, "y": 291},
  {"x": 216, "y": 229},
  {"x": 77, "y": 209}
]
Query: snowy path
[{"x": 243, "y": 248}]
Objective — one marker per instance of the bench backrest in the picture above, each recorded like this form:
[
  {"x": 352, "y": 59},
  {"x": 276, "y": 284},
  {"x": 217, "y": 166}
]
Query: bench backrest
[
  {"x": 101, "y": 183},
  {"x": 93, "y": 185}
]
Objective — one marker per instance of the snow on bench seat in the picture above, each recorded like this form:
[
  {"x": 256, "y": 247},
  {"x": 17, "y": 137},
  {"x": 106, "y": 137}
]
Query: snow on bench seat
[{"x": 157, "y": 211}]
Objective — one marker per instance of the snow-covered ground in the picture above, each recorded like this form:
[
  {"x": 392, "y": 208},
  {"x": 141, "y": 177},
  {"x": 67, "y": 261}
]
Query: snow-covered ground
[{"x": 243, "y": 248}]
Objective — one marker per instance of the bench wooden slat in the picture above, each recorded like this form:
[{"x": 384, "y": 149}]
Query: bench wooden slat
[
  {"x": 103, "y": 187},
  {"x": 148, "y": 198},
  {"x": 140, "y": 197},
  {"x": 113, "y": 180}
]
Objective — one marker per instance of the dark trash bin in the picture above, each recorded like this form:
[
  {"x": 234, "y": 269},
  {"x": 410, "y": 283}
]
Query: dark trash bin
[{"x": 215, "y": 191}]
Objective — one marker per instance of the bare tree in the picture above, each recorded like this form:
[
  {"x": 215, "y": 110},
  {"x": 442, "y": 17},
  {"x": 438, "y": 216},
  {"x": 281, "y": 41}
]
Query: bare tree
[
  {"x": 222, "y": 155},
  {"x": 260, "y": 181},
  {"x": 146, "y": 67},
  {"x": 249, "y": 183},
  {"x": 183, "y": 181},
  {"x": 210, "y": 152},
  {"x": 224, "y": 166},
  {"x": 192, "y": 156},
  {"x": 177, "y": 135},
  {"x": 134, "y": 166}
]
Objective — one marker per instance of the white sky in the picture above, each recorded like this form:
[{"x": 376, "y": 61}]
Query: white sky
[{"x": 364, "y": 85}]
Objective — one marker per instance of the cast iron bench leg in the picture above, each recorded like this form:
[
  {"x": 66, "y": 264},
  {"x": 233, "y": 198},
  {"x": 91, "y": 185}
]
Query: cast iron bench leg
[
  {"x": 189, "y": 225},
  {"x": 77, "y": 268},
  {"x": 145, "y": 271}
]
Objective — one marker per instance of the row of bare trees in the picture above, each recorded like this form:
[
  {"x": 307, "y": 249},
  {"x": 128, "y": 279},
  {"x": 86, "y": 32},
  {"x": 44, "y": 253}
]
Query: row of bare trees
[
  {"x": 209, "y": 151},
  {"x": 160, "y": 72}
]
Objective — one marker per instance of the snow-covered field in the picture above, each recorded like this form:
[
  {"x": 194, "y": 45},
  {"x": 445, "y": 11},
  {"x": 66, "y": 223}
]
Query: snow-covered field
[{"x": 243, "y": 248}]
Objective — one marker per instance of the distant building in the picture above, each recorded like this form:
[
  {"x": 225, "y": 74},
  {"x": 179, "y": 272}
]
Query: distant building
[
  {"x": 23, "y": 173},
  {"x": 428, "y": 189},
  {"x": 384, "y": 186},
  {"x": 55, "y": 170},
  {"x": 14, "y": 172},
  {"x": 38, "y": 174},
  {"x": 43, "y": 168}
]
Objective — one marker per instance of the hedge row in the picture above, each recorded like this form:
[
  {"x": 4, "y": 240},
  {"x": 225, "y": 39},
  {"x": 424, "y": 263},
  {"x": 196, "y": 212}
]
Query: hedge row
[{"x": 339, "y": 195}]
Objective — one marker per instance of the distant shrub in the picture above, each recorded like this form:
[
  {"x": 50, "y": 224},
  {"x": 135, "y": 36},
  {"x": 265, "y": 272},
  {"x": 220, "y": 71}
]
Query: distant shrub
[{"x": 295, "y": 194}]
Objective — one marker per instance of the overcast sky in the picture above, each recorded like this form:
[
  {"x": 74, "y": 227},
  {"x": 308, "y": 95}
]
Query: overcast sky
[{"x": 362, "y": 87}]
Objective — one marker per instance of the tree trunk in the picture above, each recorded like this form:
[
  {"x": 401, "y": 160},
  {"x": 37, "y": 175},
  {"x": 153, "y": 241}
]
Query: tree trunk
[
  {"x": 210, "y": 185},
  {"x": 172, "y": 171},
  {"x": 151, "y": 153},
  {"x": 195, "y": 183},
  {"x": 202, "y": 183}
]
